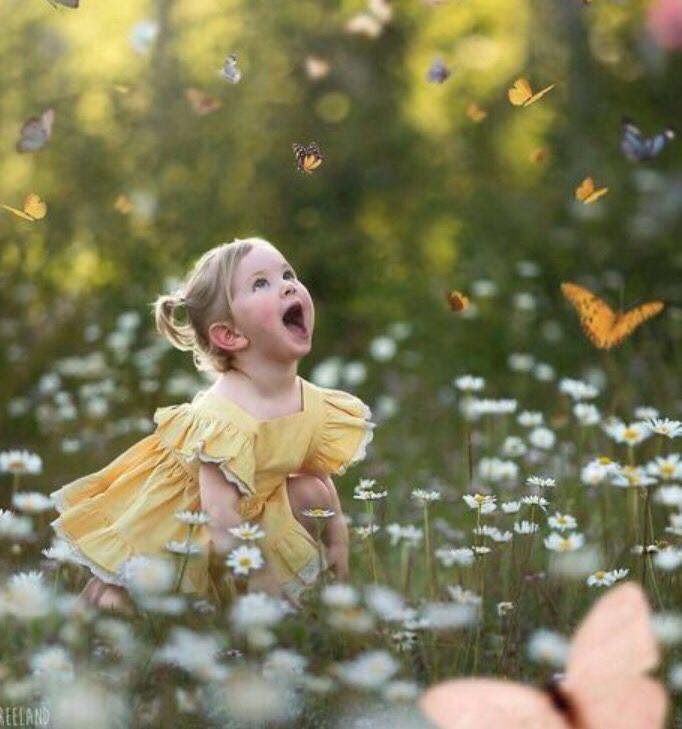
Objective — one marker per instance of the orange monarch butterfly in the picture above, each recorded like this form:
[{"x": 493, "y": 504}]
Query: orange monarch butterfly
[
  {"x": 604, "y": 327},
  {"x": 457, "y": 300},
  {"x": 308, "y": 157}
]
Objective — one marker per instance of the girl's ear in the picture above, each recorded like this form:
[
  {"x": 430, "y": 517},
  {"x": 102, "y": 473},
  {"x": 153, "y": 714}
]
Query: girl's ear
[{"x": 224, "y": 335}]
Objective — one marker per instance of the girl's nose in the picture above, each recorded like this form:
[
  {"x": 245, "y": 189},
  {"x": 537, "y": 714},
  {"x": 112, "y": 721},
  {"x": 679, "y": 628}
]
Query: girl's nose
[{"x": 288, "y": 288}]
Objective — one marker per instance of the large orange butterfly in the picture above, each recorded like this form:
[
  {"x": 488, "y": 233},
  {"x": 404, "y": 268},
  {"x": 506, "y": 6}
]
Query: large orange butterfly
[
  {"x": 604, "y": 327},
  {"x": 605, "y": 684}
]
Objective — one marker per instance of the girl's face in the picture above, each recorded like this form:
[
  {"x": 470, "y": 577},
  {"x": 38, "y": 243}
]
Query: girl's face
[{"x": 270, "y": 306}]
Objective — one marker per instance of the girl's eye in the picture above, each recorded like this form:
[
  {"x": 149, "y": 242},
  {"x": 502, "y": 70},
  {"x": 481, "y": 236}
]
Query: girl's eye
[
  {"x": 289, "y": 274},
  {"x": 257, "y": 283}
]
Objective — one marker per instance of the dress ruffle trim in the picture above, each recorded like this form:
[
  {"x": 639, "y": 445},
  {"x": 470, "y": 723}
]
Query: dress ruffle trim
[
  {"x": 78, "y": 555},
  {"x": 194, "y": 438},
  {"x": 345, "y": 418}
]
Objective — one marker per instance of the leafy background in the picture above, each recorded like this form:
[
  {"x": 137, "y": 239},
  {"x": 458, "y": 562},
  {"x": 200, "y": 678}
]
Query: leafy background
[{"x": 413, "y": 197}]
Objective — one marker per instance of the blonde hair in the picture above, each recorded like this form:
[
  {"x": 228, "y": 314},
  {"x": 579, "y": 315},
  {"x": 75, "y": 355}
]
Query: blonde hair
[{"x": 206, "y": 297}]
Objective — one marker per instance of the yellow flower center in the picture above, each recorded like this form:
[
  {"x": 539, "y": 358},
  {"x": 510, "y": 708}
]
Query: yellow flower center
[
  {"x": 630, "y": 433},
  {"x": 667, "y": 469},
  {"x": 604, "y": 460},
  {"x": 599, "y": 574}
]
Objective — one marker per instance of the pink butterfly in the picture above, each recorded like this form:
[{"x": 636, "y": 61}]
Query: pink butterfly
[{"x": 604, "y": 686}]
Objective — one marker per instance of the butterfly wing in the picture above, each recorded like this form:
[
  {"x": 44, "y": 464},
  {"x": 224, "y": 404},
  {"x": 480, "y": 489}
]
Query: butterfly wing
[
  {"x": 639, "y": 703},
  {"x": 614, "y": 641},
  {"x": 595, "y": 195},
  {"x": 475, "y": 113},
  {"x": 487, "y": 703},
  {"x": 584, "y": 189},
  {"x": 34, "y": 207},
  {"x": 457, "y": 300},
  {"x": 18, "y": 213},
  {"x": 308, "y": 158},
  {"x": 627, "y": 322},
  {"x": 539, "y": 95},
  {"x": 631, "y": 141},
  {"x": 596, "y": 316},
  {"x": 520, "y": 92}
]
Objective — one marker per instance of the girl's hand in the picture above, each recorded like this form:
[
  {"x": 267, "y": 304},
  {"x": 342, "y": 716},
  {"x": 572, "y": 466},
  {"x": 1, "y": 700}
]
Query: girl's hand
[{"x": 337, "y": 559}]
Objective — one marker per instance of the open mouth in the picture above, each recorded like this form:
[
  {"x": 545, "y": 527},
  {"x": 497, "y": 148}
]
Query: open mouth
[{"x": 293, "y": 320}]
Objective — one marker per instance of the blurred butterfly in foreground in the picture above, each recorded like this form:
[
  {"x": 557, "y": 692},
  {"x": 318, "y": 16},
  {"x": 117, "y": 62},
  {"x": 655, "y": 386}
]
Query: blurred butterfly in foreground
[
  {"x": 35, "y": 132},
  {"x": 457, "y": 301},
  {"x": 638, "y": 148},
  {"x": 604, "y": 327},
  {"x": 64, "y": 3},
  {"x": 587, "y": 193},
  {"x": 521, "y": 94},
  {"x": 438, "y": 72},
  {"x": 201, "y": 102},
  {"x": 605, "y": 685},
  {"x": 308, "y": 157},
  {"x": 33, "y": 208},
  {"x": 229, "y": 71}
]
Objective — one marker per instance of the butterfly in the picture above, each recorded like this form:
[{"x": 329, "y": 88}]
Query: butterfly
[
  {"x": 201, "y": 102},
  {"x": 605, "y": 685},
  {"x": 456, "y": 300},
  {"x": 587, "y": 193},
  {"x": 35, "y": 132},
  {"x": 65, "y": 3},
  {"x": 308, "y": 157},
  {"x": 475, "y": 113},
  {"x": 602, "y": 326},
  {"x": 538, "y": 155},
  {"x": 638, "y": 148},
  {"x": 229, "y": 71},
  {"x": 33, "y": 208},
  {"x": 438, "y": 72},
  {"x": 123, "y": 204},
  {"x": 521, "y": 94}
]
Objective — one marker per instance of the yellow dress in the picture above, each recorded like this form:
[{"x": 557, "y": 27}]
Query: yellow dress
[{"x": 128, "y": 508}]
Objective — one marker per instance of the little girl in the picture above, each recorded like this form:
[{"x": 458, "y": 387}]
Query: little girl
[{"x": 258, "y": 445}]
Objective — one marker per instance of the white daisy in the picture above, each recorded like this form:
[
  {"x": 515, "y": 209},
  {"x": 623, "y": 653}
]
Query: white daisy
[
  {"x": 669, "y": 428},
  {"x": 529, "y": 419},
  {"x": 631, "y": 434},
  {"x": 586, "y": 414},
  {"x": 244, "y": 559},
  {"x": 20, "y": 461},
  {"x": 543, "y": 482},
  {"x": 562, "y": 522},
  {"x": 248, "y": 532},
  {"x": 369, "y": 670},
  {"x": 526, "y": 527},
  {"x": 598, "y": 470},
  {"x": 577, "y": 389},
  {"x": 449, "y": 556},
  {"x": 32, "y": 502},
  {"x": 546, "y": 646},
  {"x": 666, "y": 468},
  {"x": 485, "y": 503},
  {"x": 191, "y": 549},
  {"x": 193, "y": 518},
  {"x": 542, "y": 438},
  {"x": 535, "y": 501},
  {"x": 510, "y": 507},
  {"x": 569, "y": 543},
  {"x": 426, "y": 496},
  {"x": 469, "y": 383},
  {"x": 504, "y": 608}
]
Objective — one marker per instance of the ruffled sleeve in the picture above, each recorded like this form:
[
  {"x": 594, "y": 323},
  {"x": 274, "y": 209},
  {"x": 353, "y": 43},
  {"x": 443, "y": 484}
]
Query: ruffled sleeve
[
  {"x": 195, "y": 437},
  {"x": 343, "y": 434}
]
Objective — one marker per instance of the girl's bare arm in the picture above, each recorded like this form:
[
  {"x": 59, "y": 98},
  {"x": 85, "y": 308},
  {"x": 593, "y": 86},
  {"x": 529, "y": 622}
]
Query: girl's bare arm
[{"x": 220, "y": 500}]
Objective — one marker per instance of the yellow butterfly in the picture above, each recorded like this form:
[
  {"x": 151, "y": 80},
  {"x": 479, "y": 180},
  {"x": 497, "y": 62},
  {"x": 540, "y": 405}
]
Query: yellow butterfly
[
  {"x": 33, "y": 208},
  {"x": 123, "y": 204},
  {"x": 475, "y": 113},
  {"x": 521, "y": 94},
  {"x": 604, "y": 327},
  {"x": 587, "y": 193}
]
